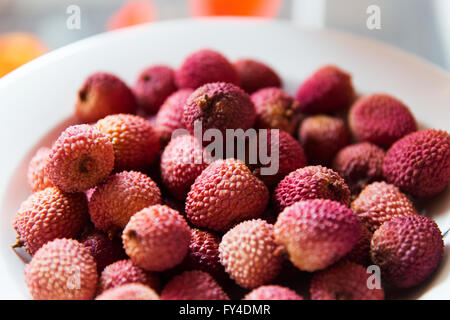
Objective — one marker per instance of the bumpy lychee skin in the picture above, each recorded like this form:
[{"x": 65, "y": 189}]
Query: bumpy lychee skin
[
  {"x": 255, "y": 75},
  {"x": 181, "y": 163},
  {"x": 135, "y": 141},
  {"x": 225, "y": 193},
  {"x": 329, "y": 89},
  {"x": 104, "y": 250},
  {"x": 249, "y": 253},
  {"x": 153, "y": 86},
  {"x": 419, "y": 163},
  {"x": 129, "y": 291},
  {"x": 316, "y": 233},
  {"x": 380, "y": 202},
  {"x": 322, "y": 137},
  {"x": 311, "y": 182},
  {"x": 289, "y": 158},
  {"x": 272, "y": 292},
  {"x": 170, "y": 115},
  {"x": 407, "y": 249},
  {"x": 205, "y": 66},
  {"x": 380, "y": 119},
  {"x": 103, "y": 94},
  {"x": 36, "y": 177},
  {"x": 62, "y": 269},
  {"x": 50, "y": 214},
  {"x": 193, "y": 285},
  {"x": 123, "y": 194},
  {"x": 123, "y": 272},
  {"x": 360, "y": 252},
  {"x": 359, "y": 165},
  {"x": 219, "y": 105},
  {"x": 157, "y": 238},
  {"x": 345, "y": 280},
  {"x": 81, "y": 158},
  {"x": 275, "y": 109}
]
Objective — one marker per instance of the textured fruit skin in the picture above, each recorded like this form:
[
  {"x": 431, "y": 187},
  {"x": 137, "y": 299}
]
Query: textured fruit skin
[
  {"x": 255, "y": 75},
  {"x": 290, "y": 157},
  {"x": 170, "y": 114},
  {"x": 345, "y": 280},
  {"x": 225, "y": 193},
  {"x": 153, "y": 86},
  {"x": 329, "y": 89},
  {"x": 36, "y": 177},
  {"x": 322, "y": 137},
  {"x": 272, "y": 292},
  {"x": 205, "y": 66},
  {"x": 407, "y": 250},
  {"x": 135, "y": 141},
  {"x": 359, "y": 164},
  {"x": 380, "y": 119},
  {"x": 311, "y": 182},
  {"x": 103, "y": 94},
  {"x": 360, "y": 252},
  {"x": 193, "y": 285},
  {"x": 419, "y": 163},
  {"x": 104, "y": 250},
  {"x": 316, "y": 233},
  {"x": 50, "y": 274},
  {"x": 49, "y": 214},
  {"x": 219, "y": 105},
  {"x": 275, "y": 109},
  {"x": 129, "y": 291},
  {"x": 156, "y": 238},
  {"x": 182, "y": 161},
  {"x": 125, "y": 271},
  {"x": 249, "y": 253},
  {"x": 81, "y": 158},
  {"x": 123, "y": 194},
  {"x": 380, "y": 202}
]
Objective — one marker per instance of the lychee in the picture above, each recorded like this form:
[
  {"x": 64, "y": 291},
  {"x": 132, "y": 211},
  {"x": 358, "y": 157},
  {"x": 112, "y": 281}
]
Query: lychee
[
  {"x": 62, "y": 269},
  {"x": 49, "y": 214},
  {"x": 316, "y": 233},
  {"x": 360, "y": 252},
  {"x": 272, "y": 292},
  {"x": 205, "y": 66},
  {"x": 380, "y": 202},
  {"x": 407, "y": 250},
  {"x": 103, "y": 94},
  {"x": 129, "y": 291},
  {"x": 193, "y": 285},
  {"x": 249, "y": 253},
  {"x": 36, "y": 177},
  {"x": 359, "y": 164},
  {"x": 322, "y": 137},
  {"x": 123, "y": 194},
  {"x": 311, "y": 182},
  {"x": 275, "y": 109},
  {"x": 380, "y": 119},
  {"x": 225, "y": 193},
  {"x": 419, "y": 163},
  {"x": 255, "y": 75},
  {"x": 135, "y": 141},
  {"x": 153, "y": 86},
  {"x": 344, "y": 281},
  {"x": 157, "y": 238},
  {"x": 81, "y": 158},
  {"x": 329, "y": 89}
]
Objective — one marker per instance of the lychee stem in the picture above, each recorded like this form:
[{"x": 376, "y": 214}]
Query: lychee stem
[{"x": 17, "y": 244}]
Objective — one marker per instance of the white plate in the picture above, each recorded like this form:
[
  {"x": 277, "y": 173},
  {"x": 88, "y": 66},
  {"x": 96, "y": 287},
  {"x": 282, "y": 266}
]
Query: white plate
[{"x": 39, "y": 96}]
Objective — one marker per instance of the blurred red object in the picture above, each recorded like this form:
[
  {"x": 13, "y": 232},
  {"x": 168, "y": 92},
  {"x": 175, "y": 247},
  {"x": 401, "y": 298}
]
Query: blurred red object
[
  {"x": 258, "y": 8},
  {"x": 132, "y": 13}
]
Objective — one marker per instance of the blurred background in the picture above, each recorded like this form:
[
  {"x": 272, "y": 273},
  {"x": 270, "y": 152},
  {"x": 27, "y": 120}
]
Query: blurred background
[{"x": 29, "y": 28}]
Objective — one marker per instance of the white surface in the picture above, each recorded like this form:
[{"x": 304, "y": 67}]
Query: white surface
[{"x": 39, "y": 96}]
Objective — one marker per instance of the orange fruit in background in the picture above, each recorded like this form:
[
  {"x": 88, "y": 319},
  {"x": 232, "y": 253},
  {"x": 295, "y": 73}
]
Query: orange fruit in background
[
  {"x": 132, "y": 13},
  {"x": 259, "y": 8},
  {"x": 16, "y": 49}
]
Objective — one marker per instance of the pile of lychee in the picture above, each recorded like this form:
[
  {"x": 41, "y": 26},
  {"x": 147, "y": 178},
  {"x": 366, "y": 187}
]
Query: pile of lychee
[{"x": 123, "y": 208}]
